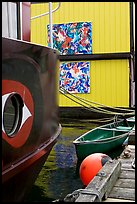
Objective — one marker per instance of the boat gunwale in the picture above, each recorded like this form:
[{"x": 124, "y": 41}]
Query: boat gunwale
[
  {"x": 101, "y": 141},
  {"x": 115, "y": 129},
  {"x": 77, "y": 140}
]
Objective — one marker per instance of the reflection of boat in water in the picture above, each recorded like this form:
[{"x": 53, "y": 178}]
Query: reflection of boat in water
[{"x": 30, "y": 124}]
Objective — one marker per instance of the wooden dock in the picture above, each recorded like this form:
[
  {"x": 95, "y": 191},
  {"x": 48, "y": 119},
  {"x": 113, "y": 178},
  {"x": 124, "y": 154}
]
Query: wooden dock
[
  {"x": 115, "y": 182},
  {"x": 124, "y": 188}
]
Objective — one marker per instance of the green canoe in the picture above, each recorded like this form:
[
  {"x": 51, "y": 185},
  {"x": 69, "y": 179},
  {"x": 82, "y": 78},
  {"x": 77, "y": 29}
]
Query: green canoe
[{"x": 103, "y": 138}]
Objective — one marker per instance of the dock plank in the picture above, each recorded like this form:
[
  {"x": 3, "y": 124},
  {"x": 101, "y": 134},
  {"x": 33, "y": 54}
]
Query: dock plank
[
  {"x": 127, "y": 166},
  {"x": 130, "y": 174},
  {"x": 123, "y": 193},
  {"x": 124, "y": 187},
  {"x": 118, "y": 200},
  {"x": 125, "y": 183}
]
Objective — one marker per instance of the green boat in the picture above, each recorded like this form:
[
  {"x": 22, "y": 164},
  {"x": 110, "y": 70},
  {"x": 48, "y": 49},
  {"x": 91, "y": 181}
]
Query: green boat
[{"x": 104, "y": 138}]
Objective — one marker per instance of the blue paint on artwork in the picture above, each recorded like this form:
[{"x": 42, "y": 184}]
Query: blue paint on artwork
[
  {"x": 75, "y": 77},
  {"x": 72, "y": 38}
]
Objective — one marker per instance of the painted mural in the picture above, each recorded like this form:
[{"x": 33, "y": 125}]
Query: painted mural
[
  {"x": 72, "y": 38},
  {"x": 75, "y": 77}
]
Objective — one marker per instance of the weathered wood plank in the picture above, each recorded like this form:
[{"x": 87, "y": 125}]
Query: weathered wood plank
[
  {"x": 122, "y": 193},
  {"x": 124, "y": 187},
  {"x": 131, "y": 147},
  {"x": 118, "y": 200},
  {"x": 127, "y": 166},
  {"x": 126, "y": 159},
  {"x": 130, "y": 174},
  {"x": 125, "y": 183},
  {"x": 102, "y": 182}
]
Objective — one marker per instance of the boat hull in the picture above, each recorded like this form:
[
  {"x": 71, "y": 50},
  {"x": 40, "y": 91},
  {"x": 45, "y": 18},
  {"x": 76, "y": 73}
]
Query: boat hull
[
  {"x": 18, "y": 187},
  {"x": 83, "y": 150},
  {"x": 18, "y": 180},
  {"x": 103, "y": 139},
  {"x": 30, "y": 122}
]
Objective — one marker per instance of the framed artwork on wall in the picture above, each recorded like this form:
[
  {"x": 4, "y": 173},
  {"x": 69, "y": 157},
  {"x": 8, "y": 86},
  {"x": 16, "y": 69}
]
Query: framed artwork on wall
[
  {"x": 75, "y": 77},
  {"x": 72, "y": 38}
]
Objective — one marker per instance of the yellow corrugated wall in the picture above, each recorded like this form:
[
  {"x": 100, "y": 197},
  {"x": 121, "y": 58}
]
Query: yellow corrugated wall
[{"x": 110, "y": 34}]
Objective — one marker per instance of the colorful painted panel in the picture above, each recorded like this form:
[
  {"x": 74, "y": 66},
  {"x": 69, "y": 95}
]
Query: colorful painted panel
[
  {"x": 72, "y": 38},
  {"x": 75, "y": 77}
]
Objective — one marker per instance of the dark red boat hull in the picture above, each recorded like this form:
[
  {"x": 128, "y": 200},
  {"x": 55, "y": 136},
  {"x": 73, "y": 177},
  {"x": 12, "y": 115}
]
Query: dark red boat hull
[{"x": 30, "y": 123}]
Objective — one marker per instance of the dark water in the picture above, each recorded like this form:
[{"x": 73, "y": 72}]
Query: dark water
[{"x": 59, "y": 175}]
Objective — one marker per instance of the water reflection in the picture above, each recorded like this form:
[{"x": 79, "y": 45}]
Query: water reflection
[{"x": 60, "y": 173}]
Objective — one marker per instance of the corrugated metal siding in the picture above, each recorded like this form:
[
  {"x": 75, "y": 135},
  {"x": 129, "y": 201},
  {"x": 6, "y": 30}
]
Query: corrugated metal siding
[
  {"x": 109, "y": 84},
  {"x": 110, "y": 34},
  {"x": 110, "y": 29}
]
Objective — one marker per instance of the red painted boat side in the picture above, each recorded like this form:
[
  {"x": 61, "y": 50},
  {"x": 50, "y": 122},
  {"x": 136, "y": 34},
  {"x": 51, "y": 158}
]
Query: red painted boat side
[{"x": 30, "y": 123}]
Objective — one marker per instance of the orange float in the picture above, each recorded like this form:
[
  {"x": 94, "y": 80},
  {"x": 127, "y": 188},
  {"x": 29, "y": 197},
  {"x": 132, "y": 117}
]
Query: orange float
[{"x": 91, "y": 165}]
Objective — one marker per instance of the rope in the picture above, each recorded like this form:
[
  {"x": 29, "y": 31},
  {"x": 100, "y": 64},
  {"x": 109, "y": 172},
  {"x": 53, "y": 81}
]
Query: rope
[
  {"x": 90, "y": 101},
  {"x": 93, "y": 108},
  {"x": 104, "y": 105},
  {"x": 102, "y": 120}
]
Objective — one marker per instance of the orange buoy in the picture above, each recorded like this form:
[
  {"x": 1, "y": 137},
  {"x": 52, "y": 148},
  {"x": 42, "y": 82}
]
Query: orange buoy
[{"x": 91, "y": 165}]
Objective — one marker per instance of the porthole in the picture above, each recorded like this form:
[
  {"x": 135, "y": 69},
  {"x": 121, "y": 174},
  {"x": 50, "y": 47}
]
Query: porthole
[{"x": 12, "y": 115}]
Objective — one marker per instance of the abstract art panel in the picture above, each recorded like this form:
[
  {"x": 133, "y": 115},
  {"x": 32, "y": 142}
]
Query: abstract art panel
[
  {"x": 72, "y": 38},
  {"x": 75, "y": 77}
]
